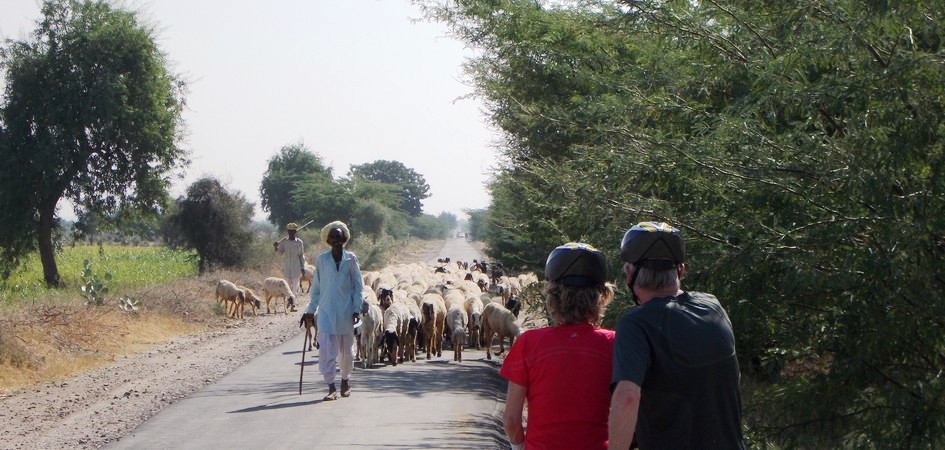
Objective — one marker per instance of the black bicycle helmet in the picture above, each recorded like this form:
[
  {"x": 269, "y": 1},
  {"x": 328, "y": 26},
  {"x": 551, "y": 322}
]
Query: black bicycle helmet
[
  {"x": 654, "y": 245},
  {"x": 575, "y": 264}
]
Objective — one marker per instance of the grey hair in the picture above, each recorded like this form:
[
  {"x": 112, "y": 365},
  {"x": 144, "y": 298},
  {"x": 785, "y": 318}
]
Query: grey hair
[{"x": 656, "y": 280}]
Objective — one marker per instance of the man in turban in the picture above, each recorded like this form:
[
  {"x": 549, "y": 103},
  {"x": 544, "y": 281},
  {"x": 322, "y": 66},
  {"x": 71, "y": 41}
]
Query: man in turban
[
  {"x": 336, "y": 295},
  {"x": 293, "y": 259}
]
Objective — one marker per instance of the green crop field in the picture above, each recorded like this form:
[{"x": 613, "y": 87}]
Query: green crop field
[{"x": 130, "y": 268}]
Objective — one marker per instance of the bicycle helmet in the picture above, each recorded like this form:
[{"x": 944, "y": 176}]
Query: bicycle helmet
[
  {"x": 654, "y": 245},
  {"x": 576, "y": 264}
]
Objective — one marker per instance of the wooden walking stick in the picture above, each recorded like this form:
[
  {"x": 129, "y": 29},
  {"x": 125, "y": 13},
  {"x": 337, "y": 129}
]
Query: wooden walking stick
[{"x": 302, "y": 369}]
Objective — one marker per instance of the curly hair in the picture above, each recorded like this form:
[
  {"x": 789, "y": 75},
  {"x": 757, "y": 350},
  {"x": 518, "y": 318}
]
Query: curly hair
[{"x": 570, "y": 304}]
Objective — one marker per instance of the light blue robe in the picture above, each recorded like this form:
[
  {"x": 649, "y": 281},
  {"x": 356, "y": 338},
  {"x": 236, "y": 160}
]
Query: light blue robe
[{"x": 336, "y": 293}]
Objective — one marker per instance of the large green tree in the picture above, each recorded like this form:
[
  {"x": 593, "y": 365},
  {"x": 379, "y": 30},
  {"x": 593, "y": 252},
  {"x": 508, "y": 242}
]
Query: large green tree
[
  {"x": 413, "y": 186},
  {"x": 293, "y": 166},
  {"x": 213, "y": 221},
  {"x": 91, "y": 114},
  {"x": 799, "y": 146}
]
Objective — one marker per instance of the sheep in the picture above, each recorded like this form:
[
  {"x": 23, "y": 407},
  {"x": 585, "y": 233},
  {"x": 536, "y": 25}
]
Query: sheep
[
  {"x": 368, "y": 277},
  {"x": 514, "y": 305},
  {"x": 384, "y": 279},
  {"x": 372, "y": 322},
  {"x": 413, "y": 325},
  {"x": 433, "y": 318},
  {"x": 474, "y": 307},
  {"x": 308, "y": 272},
  {"x": 228, "y": 293},
  {"x": 277, "y": 287},
  {"x": 454, "y": 297},
  {"x": 385, "y": 297},
  {"x": 496, "y": 320},
  {"x": 456, "y": 318},
  {"x": 250, "y": 298},
  {"x": 395, "y": 330},
  {"x": 311, "y": 329},
  {"x": 468, "y": 287}
]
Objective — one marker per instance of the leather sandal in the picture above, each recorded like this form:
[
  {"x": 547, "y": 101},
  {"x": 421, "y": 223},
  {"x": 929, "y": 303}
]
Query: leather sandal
[{"x": 332, "y": 393}]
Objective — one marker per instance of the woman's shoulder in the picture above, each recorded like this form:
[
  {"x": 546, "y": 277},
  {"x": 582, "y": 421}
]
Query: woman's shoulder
[{"x": 604, "y": 332}]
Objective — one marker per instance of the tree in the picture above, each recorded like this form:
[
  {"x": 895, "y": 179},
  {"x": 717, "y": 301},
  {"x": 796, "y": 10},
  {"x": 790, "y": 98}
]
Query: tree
[
  {"x": 371, "y": 218},
  {"x": 92, "y": 115},
  {"x": 450, "y": 221},
  {"x": 414, "y": 187},
  {"x": 214, "y": 222},
  {"x": 799, "y": 147},
  {"x": 426, "y": 226},
  {"x": 477, "y": 223},
  {"x": 293, "y": 164},
  {"x": 323, "y": 200}
]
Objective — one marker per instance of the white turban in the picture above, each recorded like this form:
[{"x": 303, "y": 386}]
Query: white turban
[{"x": 336, "y": 224}]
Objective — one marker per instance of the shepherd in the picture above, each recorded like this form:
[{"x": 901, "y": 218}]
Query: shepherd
[
  {"x": 336, "y": 294},
  {"x": 293, "y": 259}
]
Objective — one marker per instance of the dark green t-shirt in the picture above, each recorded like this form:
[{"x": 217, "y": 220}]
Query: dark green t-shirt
[{"x": 681, "y": 352}]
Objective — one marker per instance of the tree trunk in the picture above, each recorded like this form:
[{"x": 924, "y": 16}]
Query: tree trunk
[{"x": 46, "y": 253}]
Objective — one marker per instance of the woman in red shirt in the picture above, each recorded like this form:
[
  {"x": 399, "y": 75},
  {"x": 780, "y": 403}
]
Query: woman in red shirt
[{"x": 563, "y": 371}]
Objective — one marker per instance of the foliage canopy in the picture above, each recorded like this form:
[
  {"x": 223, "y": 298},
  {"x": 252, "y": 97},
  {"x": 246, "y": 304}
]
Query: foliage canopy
[
  {"x": 91, "y": 114},
  {"x": 413, "y": 186},
  {"x": 214, "y": 222},
  {"x": 798, "y": 145}
]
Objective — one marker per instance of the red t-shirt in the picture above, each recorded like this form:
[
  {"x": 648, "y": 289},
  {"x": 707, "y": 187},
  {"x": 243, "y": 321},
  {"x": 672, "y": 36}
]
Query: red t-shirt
[{"x": 567, "y": 371}]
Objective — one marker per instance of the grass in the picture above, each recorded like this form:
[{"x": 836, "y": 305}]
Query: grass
[
  {"x": 47, "y": 334},
  {"x": 131, "y": 268}
]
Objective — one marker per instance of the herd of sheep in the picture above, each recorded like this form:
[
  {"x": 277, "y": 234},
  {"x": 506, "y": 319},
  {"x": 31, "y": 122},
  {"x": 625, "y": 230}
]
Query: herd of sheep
[
  {"x": 410, "y": 309},
  {"x": 414, "y": 309}
]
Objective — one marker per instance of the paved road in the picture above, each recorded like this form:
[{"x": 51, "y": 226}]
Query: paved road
[
  {"x": 428, "y": 404},
  {"x": 457, "y": 249}
]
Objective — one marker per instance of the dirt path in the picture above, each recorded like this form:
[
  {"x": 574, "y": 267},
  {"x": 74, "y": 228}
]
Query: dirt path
[{"x": 99, "y": 406}]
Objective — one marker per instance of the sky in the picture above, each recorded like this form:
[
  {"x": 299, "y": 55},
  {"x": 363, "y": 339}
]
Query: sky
[{"x": 355, "y": 81}]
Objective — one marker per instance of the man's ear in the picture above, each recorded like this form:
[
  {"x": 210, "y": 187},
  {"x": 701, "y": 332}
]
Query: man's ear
[{"x": 681, "y": 270}]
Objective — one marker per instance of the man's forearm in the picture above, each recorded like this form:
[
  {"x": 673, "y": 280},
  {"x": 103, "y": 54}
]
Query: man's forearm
[{"x": 624, "y": 407}]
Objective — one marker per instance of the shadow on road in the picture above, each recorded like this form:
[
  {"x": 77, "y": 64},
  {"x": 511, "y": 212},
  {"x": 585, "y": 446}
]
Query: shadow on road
[{"x": 278, "y": 406}]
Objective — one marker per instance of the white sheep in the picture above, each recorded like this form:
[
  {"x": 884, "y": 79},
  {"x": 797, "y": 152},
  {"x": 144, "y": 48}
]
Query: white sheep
[
  {"x": 395, "y": 331},
  {"x": 308, "y": 272},
  {"x": 456, "y": 321},
  {"x": 496, "y": 320},
  {"x": 474, "y": 307},
  {"x": 277, "y": 287},
  {"x": 454, "y": 297},
  {"x": 249, "y": 297},
  {"x": 227, "y": 294},
  {"x": 372, "y": 322}
]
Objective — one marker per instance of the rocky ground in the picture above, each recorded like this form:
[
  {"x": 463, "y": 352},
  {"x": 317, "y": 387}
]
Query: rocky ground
[{"x": 97, "y": 407}]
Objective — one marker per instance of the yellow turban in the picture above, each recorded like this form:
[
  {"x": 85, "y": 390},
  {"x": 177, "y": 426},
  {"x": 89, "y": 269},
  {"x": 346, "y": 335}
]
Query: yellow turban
[
  {"x": 336, "y": 224},
  {"x": 291, "y": 226}
]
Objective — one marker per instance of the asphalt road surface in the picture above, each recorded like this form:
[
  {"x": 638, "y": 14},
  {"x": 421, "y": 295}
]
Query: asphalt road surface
[{"x": 439, "y": 404}]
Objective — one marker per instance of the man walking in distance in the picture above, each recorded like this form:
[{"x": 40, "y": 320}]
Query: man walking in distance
[
  {"x": 336, "y": 294},
  {"x": 675, "y": 374},
  {"x": 293, "y": 259}
]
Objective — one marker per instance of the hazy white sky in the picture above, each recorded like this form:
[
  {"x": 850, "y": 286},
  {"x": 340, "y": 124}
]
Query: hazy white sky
[{"x": 354, "y": 80}]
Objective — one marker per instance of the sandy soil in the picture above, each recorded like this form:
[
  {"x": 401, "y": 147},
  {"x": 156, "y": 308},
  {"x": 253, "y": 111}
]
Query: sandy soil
[{"x": 97, "y": 407}]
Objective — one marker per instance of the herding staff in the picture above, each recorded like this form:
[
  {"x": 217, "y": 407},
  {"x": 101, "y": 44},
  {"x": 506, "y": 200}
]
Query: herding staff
[
  {"x": 297, "y": 229},
  {"x": 286, "y": 237},
  {"x": 302, "y": 366}
]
